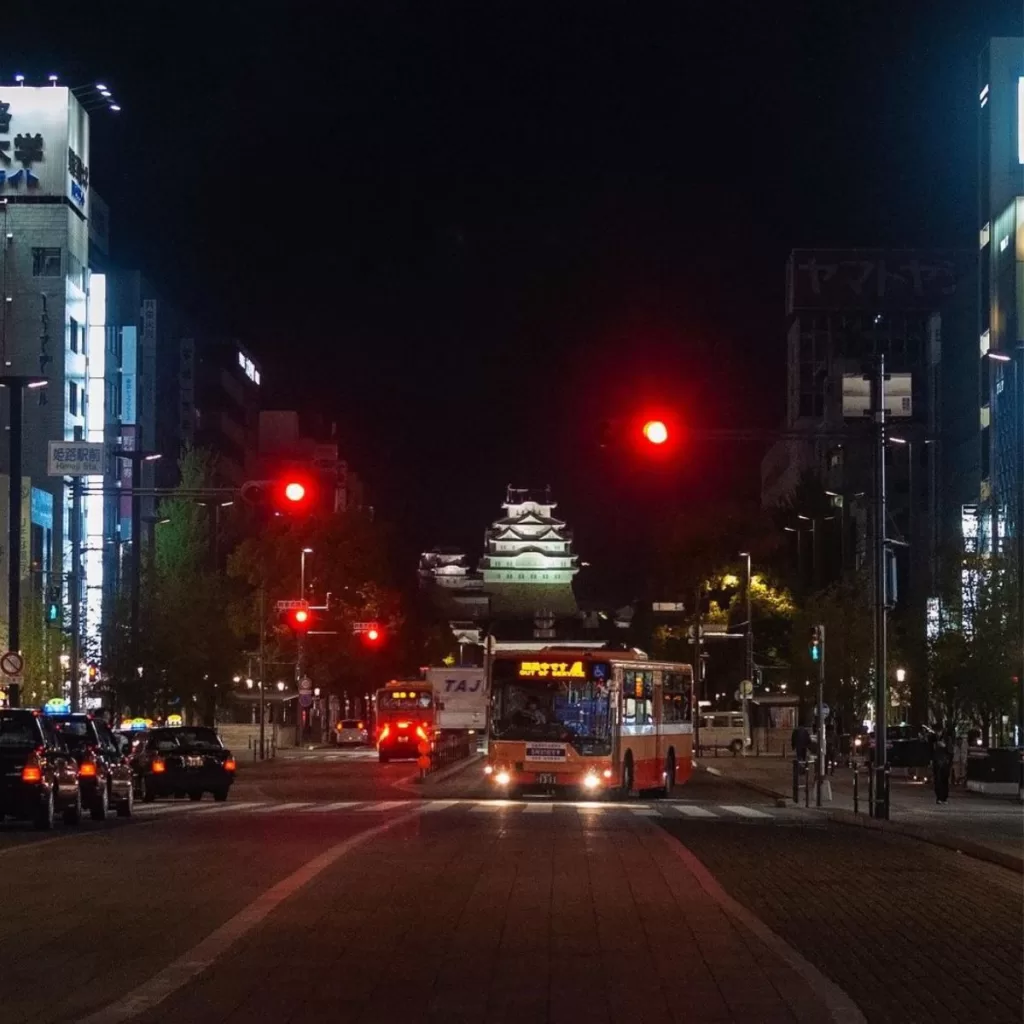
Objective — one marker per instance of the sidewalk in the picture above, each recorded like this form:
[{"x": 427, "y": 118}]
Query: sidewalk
[{"x": 995, "y": 824}]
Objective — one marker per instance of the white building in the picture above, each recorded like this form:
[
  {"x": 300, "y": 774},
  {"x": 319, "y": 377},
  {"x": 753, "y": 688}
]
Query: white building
[{"x": 528, "y": 545}]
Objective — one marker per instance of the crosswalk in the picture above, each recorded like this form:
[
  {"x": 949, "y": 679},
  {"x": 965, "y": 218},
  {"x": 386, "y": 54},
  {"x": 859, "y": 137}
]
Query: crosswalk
[
  {"x": 352, "y": 754},
  {"x": 675, "y": 809}
]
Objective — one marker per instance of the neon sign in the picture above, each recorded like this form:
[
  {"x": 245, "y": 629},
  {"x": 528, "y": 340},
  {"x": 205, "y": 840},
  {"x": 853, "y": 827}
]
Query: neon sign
[{"x": 551, "y": 670}]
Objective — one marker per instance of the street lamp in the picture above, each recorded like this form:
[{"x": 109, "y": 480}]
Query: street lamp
[
  {"x": 17, "y": 383},
  {"x": 901, "y": 675},
  {"x": 216, "y": 506},
  {"x": 136, "y": 458}
]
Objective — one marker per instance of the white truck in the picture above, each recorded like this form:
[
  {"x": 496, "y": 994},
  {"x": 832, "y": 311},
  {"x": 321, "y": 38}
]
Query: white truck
[{"x": 461, "y": 698}]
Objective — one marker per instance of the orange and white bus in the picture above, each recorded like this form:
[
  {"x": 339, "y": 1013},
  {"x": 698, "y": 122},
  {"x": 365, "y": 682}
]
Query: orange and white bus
[{"x": 593, "y": 721}]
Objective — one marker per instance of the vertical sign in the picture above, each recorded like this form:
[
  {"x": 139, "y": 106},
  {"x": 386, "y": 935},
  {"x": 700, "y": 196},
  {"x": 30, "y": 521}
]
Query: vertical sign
[{"x": 129, "y": 371}]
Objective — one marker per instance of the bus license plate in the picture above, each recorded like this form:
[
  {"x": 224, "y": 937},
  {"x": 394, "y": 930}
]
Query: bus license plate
[{"x": 546, "y": 779}]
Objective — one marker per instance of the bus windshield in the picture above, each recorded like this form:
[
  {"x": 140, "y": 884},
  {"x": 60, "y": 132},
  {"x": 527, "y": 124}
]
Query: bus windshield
[{"x": 575, "y": 712}]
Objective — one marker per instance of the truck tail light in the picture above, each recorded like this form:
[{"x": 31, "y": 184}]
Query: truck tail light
[
  {"x": 384, "y": 733},
  {"x": 158, "y": 766}
]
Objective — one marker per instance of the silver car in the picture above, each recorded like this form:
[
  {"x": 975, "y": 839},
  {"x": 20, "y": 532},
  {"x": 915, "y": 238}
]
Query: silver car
[{"x": 351, "y": 732}]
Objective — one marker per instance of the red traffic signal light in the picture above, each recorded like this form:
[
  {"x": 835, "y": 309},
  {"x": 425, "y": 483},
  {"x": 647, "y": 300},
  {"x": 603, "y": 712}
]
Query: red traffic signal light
[
  {"x": 294, "y": 494},
  {"x": 655, "y": 431},
  {"x": 300, "y": 619},
  {"x": 373, "y": 634}
]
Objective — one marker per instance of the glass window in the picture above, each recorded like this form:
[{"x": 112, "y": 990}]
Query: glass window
[
  {"x": 45, "y": 261},
  {"x": 676, "y": 697},
  {"x": 74, "y": 335},
  {"x": 18, "y": 731},
  {"x": 638, "y": 698}
]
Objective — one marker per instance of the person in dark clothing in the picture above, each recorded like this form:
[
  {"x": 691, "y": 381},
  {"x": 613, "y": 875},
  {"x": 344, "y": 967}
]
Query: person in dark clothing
[
  {"x": 801, "y": 742},
  {"x": 942, "y": 763}
]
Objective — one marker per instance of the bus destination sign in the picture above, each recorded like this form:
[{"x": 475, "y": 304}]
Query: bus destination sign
[{"x": 551, "y": 670}]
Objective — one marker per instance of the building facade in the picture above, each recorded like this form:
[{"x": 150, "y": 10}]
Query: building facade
[{"x": 1000, "y": 328}]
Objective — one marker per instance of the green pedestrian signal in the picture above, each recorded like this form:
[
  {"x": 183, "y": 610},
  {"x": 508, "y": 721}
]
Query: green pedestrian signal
[
  {"x": 53, "y": 609},
  {"x": 816, "y": 643}
]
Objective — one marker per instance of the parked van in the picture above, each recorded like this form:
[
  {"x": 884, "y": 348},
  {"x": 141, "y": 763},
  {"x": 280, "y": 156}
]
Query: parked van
[{"x": 723, "y": 730}]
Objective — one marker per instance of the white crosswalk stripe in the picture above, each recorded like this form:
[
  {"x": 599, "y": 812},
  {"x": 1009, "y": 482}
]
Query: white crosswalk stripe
[
  {"x": 744, "y": 812},
  {"x": 336, "y": 806},
  {"x": 280, "y": 807},
  {"x": 437, "y": 805},
  {"x": 646, "y": 812},
  {"x": 693, "y": 811},
  {"x": 385, "y": 805},
  {"x": 494, "y": 805},
  {"x": 538, "y": 808},
  {"x": 222, "y": 808}
]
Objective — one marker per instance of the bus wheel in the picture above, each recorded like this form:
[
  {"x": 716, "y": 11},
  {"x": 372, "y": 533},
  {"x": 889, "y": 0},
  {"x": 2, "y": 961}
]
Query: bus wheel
[
  {"x": 736, "y": 747},
  {"x": 626, "y": 790},
  {"x": 670, "y": 774}
]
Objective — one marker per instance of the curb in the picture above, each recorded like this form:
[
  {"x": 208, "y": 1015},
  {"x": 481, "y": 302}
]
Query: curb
[{"x": 965, "y": 846}]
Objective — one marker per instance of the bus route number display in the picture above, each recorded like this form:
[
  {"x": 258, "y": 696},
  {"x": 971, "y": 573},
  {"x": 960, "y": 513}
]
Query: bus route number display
[{"x": 551, "y": 670}]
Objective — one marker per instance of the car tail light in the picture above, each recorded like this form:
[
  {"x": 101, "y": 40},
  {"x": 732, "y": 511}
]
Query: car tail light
[
  {"x": 87, "y": 769},
  {"x": 421, "y": 732},
  {"x": 158, "y": 766},
  {"x": 229, "y": 765},
  {"x": 31, "y": 773},
  {"x": 384, "y": 733}
]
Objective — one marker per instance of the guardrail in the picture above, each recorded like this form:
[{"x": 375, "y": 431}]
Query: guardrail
[{"x": 445, "y": 750}]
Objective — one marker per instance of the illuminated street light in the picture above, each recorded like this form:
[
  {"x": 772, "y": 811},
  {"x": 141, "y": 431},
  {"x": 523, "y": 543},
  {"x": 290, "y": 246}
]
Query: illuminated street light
[{"x": 901, "y": 675}]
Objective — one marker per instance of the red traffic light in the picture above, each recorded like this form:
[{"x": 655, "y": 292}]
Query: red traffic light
[
  {"x": 295, "y": 491},
  {"x": 655, "y": 431},
  {"x": 299, "y": 619},
  {"x": 373, "y": 635},
  {"x": 294, "y": 494}
]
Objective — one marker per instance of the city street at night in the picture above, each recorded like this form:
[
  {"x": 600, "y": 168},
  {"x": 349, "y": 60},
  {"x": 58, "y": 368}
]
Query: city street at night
[{"x": 335, "y": 890}]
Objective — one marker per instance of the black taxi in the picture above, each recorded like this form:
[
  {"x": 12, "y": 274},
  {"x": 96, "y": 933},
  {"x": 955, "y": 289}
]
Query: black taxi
[
  {"x": 104, "y": 773},
  {"x": 183, "y": 760}
]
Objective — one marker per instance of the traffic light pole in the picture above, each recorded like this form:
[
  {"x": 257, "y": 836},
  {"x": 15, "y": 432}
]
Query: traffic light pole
[
  {"x": 75, "y": 587},
  {"x": 262, "y": 660},
  {"x": 821, "y": 715},
  {"x": 880, "y": 807},
  {"x": 14, "y": 541}
]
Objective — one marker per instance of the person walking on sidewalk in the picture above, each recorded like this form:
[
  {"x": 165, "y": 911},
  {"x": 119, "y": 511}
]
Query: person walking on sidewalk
[
  {"x": 801, "y": 742},
  {"x": 941, "y": 767}
]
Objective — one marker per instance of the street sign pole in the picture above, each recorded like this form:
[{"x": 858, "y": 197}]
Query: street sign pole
[{"x": 75, "y": 586}]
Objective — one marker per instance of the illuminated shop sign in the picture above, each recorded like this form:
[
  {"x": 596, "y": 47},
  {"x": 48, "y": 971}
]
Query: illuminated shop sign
[{"x": 249, "y": 367}]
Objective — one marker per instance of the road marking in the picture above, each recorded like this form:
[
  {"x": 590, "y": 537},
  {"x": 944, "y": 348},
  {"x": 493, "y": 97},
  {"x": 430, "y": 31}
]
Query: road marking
[
  {"x": 337, "y": 806},
  {"x": 494, "y": 805},
  {"x": 744, "y": 812},
  {"x": 386, "y": 805},
  {"x": 437, "y": 805},
  {"x": 646, "y": 812},
  {"x": 841, "y": 1008},
  {"x": 280, "y": 807},
  {"x": 244, "y": 806},
  {"x": 692, "y": 811},
  {"x": 196, "y": 960},
  {"x": 538, "y": 808}
]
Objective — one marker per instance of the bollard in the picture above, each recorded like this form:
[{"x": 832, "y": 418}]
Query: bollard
[
  {"x": 856, "y": 791},
  {"x": 796, "y": 781},
  {"x": 885, "y": 800}
]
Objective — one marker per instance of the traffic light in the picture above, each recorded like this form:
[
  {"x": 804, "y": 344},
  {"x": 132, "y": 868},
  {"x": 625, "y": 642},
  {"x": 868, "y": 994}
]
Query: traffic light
[
  {"x": 294, "y": 494},
  {"x": 53, "y": 610},
  {"x": 816, "y": 646},
  {"x": 299, "y": 619},
  {"x": 94, "y": 672},
  {"x": 655, "y": 432}
]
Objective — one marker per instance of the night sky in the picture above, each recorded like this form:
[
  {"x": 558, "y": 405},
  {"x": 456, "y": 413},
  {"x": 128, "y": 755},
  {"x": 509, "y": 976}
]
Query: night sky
[{"x": 470, "y": 231}]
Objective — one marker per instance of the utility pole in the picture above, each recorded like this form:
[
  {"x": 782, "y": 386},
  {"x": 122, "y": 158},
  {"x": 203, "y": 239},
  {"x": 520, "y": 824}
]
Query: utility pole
[
  {"x": 750, "y": 656},
  {"x": 697, "y": 665},
  {"x": 881, "y": 792},
  {"x": 75, "y": 586},
  {"x": 1018, "y": 381}
]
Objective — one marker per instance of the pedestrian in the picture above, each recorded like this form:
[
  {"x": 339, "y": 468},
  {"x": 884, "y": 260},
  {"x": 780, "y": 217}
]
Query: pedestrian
[
  {"x": 801, "y": 742},
  {"x": 941, "y": 766}
]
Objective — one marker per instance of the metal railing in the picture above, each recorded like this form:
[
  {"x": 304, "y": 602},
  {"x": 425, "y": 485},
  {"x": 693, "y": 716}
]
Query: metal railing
[{"x": 446, "y": 750}]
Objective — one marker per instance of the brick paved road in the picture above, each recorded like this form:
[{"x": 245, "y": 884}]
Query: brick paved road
[{"x": 911, "y": 932}]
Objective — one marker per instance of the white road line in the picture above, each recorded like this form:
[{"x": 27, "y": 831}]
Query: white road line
[
  {"x": 437, "y": 805},
  {"x": 646, "y": 812},
  {"x": 538, "y": 808},
  {"x": 221, "y": 808},
  {"x": 385, "y": 805},
  {"x": 744, "y": 812},
  {"x": 692, "y": 811},
  {"x": 494, "y": 805},
  {"x": 165, "y": 808},
  {"x": 197, "y": 959},
  {"x": 336, "y": 806},
  {"x": 280, "y": 807}
]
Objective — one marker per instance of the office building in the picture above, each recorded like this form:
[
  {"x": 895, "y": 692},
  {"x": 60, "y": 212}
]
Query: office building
[{"x": 1000, "y": 331}]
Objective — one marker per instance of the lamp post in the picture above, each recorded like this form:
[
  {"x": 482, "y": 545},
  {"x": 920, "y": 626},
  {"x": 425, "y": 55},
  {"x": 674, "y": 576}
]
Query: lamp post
[
  {"x": 136, "y": 458},
  {"x": 215, "y": 506},
  {"x": 749, "y": 644},
  {"x": 16, "y": 384}
]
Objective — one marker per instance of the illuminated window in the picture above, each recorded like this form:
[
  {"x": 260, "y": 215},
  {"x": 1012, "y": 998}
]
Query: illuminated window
[
  {"x": 986, "y": 341},
  {"x": 983, "y": 96},
  {"x": 1004, "y": 243},
  {"x": 986, "y": 416},
  {"x": 984, "y": 236}
]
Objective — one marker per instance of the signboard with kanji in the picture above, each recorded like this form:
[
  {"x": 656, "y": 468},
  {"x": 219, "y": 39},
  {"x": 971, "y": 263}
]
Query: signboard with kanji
[{"x": 75, "y": 458}]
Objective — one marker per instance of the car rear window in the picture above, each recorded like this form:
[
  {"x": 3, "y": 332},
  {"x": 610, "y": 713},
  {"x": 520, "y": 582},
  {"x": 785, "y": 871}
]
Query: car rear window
[
  {"x": 18, "y": 732},
  {"x": 195, "y": 737}
]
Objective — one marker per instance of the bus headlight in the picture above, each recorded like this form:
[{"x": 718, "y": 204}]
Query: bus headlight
[
  {"x": 591, "y": 781},
  {"x": 488, "y": 769},
  {"x": 503, "y": 778}
]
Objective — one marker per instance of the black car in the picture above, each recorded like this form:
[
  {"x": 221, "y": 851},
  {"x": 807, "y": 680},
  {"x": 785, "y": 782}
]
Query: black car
[
  {"x": 38, "y": 775},
  {"x": 184, "y": 759},
  {"x": 104, "y": 774}
]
